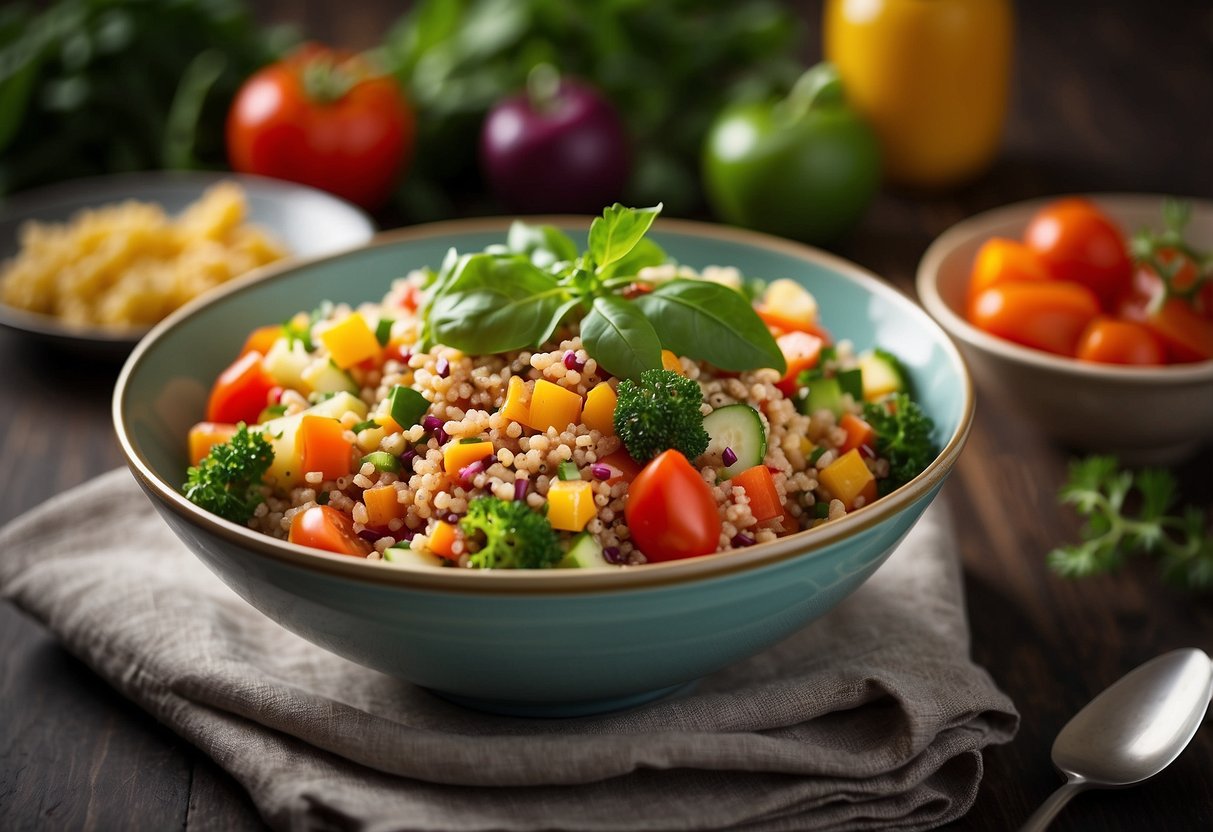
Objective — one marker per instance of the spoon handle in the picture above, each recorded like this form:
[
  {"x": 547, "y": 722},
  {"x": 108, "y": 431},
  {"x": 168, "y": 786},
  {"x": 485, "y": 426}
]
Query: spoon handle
[{"x": 1048, "y": 810}]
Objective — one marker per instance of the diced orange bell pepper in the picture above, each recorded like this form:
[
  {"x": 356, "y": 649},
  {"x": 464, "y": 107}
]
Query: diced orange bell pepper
[
  {"x": 801, "y": 351},
  {"x": 860, "y": 435},
  {"x": 325, "y": 447},
  {"x": 261, "y": 339},
  {"x": 445, "y": 541},
  {"x": 759, "y": 487},
  {"x": 848, "y": 479},
  {"x": 206, "y": 435},
  {"x": 599, "y": 411},
  {"x": 553, "y": 406},
  {"x": 350, "y": 341},
  {"x": 516, "y": 407},
  {"x": 458, "y": 454},
  {"x": 669, "y": 361},
  {"x": 571, "y": 504},
  {"x": 382, "y": 505}
]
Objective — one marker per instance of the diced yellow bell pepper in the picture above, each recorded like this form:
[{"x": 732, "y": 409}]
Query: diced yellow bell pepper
[
  {"x": 553, "y": 406},
  {"x": 571, "y": 504},
  {"x": 458, "y": 454},
  {"x": 848, "y": 478},
  {"x": 381, "y": 505},
  {"x": 669, "y": 361},
  {"x": 350, "y": 341},
  {"x": 599, "y": 411},
  {"x": 516, "y": 407}
]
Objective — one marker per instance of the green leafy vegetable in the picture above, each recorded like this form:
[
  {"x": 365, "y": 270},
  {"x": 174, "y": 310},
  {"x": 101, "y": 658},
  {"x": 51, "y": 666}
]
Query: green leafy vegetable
[
  {"x": 1156, "y": 250},
  {"x": 659, "y": 412},
  {"x": 225, "y": 482},
  {"x": 510, "y": 535},
  {"x": 617, "y": 231},
  {"x": 620, "y": 337},
  {"x": 903, "y": 436},
  {"x": 1102, "y": 493}
]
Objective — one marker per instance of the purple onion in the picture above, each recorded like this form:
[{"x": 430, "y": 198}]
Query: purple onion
[
  {"x": 521, "y": 487},
  {"x": 452, "y": 518},
  {"x": 572, "y": 362},
  {"x": 369, "y": 536},
  {"x": 601, "y": 471},
  {"x": 728, "y": 457},
  {"x": 611, "y": 553},
  {"x": 468, "y": 472},
  {"x": 742, "y": 539},
  {"x": 406, "y": 458},
  {"x": 442, "y": 367},
  {"x": 405, "y": 534},
  {"x": 434, "y": 425}
]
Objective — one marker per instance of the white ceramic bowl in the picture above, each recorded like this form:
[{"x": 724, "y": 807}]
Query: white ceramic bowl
[{"x": 1148, "y": 415}]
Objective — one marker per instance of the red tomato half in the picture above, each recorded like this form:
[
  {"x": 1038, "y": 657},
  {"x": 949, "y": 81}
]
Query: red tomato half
[
  {"x": 1079, "y": 243},
  {"x": 324, "y": 527},
  {"x": 1049, "y": 316},
  {"x": 241, "y": 392},
  {"x": 670, "y": 510},
  {"x": 325, "y": 119}
]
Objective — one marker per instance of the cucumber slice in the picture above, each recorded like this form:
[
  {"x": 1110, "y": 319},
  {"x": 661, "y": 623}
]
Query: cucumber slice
[
  {"x": 404, "y": 556},
  {"x": 824, "y": 394},
  {"x": 739, "y": 428},
  {"x": 882, "y": 374},
  {"x": 585, "y": 553},
  {"x": 323, "y": 376}
]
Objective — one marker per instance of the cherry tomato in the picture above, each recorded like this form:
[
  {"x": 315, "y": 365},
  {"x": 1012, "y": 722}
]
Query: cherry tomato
[
  {"x": 326, "y": 119},
  {"x": 1112, "y": 341},
  {"x": 1186, "y": 332},
  {"x": 1000, "y": 260},
  {"x": 241, "y": 392},
  {"x": 1079, "y": 243},
  {"x": 324, "y": 527},
  {"x": 1049, "y": 316},
  {"x": 671, "y": 511}
]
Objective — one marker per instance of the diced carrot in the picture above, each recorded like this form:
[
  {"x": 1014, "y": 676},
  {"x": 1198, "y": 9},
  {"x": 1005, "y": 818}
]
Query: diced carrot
[
  {"x": 381, "y": 505},
  {"x": 848, "y": 478},
  {"x": 571, "y": 504},
  {"x": 860, "y": 435},
  {"x": 350, "y": 341},
  {"x": 759, "y": 487},
  {"x": 553, "y": 406},
  {"x": 325, "y": 448},
  {"x": 599, "y": 411},
  {"x": 790, "y": 524},
  {"x": 516, "y": 407},
  {"x": 261, "y": 339},
  {"x": 623, "y": 467},
  {"x": 444, "y": 540},
  {"x": 458, "y": 454},
  {"x": 669, "y": 361},
  {"x": 206, "y": 435},
  {"x": 801, "y": 351}
]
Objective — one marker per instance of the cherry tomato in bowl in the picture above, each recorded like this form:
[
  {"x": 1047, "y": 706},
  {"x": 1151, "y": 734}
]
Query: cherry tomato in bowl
[
  {"x": 1079, "y": 243},
  {"x": 323, "y": 118}
]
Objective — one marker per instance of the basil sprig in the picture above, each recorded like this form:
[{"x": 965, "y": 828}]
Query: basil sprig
[{"x": 517, "y": 295}]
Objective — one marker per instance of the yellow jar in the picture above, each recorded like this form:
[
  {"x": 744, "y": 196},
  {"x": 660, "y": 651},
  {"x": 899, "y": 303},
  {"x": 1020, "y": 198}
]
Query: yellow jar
[{"x": 931, "y": 76}]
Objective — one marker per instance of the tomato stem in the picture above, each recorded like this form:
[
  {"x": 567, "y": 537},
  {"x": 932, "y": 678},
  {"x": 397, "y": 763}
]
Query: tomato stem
[{"x": 325, "y": 81}]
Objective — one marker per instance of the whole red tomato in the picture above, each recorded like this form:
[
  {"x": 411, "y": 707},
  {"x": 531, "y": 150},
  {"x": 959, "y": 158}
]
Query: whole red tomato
[
  {"x": 1185, "y": 325},
  {"x": 1078, "y": 242},
  {"x": 1108, "y": 340},
  {"x": 1048, "y": 315},
  {"x": 323, "y": 118},
  {"x": 670, "y": 510}
]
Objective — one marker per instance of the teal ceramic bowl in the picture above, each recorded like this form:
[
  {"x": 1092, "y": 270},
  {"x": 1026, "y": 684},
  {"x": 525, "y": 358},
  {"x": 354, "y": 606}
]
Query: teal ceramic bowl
[{"x": 547, "y": 642}]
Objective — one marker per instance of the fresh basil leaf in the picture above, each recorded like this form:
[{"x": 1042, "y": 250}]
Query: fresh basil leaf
[
  {"x": 543, "y": 245},
  {"x": 557, "y": 317},
  {"x": 713, "y": 323},
  {"x": 620, "y": 337},
  {"x": 646, "y": 253},
  {"x": 494, "y": 304},
  {"x": 617, "y": 232}
]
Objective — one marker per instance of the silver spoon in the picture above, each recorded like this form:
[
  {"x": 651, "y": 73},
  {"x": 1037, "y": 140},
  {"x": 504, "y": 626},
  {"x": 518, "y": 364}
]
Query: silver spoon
[{"x": 1132, "y": 730}]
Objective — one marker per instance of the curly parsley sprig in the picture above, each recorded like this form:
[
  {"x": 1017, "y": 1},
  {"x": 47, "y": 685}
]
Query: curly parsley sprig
[
  {"x": 226, "y": 480},
  {"x": 1103, "y": 493}
]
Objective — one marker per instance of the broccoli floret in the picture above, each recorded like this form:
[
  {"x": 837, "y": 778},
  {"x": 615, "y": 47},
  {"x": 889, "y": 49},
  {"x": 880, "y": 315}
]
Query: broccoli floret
[
  {"x": 513, "y": 535},
  {"x": 659, "y": 412},
  {"x": 903, "y": 436},
  {"x": 225, "y": 481}
]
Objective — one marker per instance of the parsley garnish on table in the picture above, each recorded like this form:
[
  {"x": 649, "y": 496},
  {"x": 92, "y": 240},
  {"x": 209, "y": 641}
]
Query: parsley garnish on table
[{"x": 1133, "y": 513}]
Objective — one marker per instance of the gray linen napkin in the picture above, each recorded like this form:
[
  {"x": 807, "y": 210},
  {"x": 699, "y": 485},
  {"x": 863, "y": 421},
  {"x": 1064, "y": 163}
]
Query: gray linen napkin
[{"x": 873, "y": 717}]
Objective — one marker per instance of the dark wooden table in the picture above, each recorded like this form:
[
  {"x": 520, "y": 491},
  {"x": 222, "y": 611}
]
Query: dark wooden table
[{"x": 1110, "y": 98}]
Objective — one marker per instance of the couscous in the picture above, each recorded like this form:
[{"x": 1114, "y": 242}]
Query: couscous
[{"x": 533, "y": 406}]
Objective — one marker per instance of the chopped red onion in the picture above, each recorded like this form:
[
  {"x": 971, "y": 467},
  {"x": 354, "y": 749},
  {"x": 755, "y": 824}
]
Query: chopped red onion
[
  {"x": 729, "y": 457},
  {"x": 369, "y": 536},
  {"x": 452, "y": 518},
  {"x": 572, "y": 362},
  {"x": 521, "y": 487},
  {"x": 434, "y": 425},
  {"x": 601, "y": 471},
  {"x": 742, "y": 539},
  {"x": 442, "y": 367},
  {"x": 612, "y": 555},
  {"x": 406, "y": 458},
  {"x": 467, "y": 472}
]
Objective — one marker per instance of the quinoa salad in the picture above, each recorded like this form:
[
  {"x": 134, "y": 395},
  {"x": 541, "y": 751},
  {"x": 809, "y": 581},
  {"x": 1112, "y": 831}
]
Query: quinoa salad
[{"x": 536, "y": 406}]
